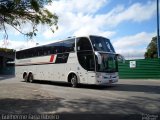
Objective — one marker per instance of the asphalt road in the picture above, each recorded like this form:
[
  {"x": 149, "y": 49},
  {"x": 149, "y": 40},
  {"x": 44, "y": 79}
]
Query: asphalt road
[{"x": 127, "y": 97}]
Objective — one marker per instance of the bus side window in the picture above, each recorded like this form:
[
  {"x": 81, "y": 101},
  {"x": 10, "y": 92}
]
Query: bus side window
[
  {"x": 51, "y": 48},
  {"x": 46, "y": 50},
  {"x": 83, "y": 44},
  {"x": 57, "y": 47},
  {"x": 31, "y": 52},
  {"x": 19, "y": 55},
  {"x": 68, "y": 45},
  {"x": 39, "y": 51}
]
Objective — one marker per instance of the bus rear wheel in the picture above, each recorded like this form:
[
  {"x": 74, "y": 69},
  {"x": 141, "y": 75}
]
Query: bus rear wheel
[
  {"x": 74, "y": 80},
  {"x": 30, "y": 78}
]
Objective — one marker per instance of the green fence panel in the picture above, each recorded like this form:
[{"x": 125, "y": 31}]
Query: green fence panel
[{"x": 144, "y": 68}]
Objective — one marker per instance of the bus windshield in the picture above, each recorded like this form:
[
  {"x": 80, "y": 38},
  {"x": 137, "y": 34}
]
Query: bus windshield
[
  {"x": 101, "y": 44},
  {"x": 109, "y": 63}
]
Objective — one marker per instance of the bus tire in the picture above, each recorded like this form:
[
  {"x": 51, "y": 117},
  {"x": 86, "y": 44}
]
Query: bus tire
[
  {"x": 25, "y": 77},
  {"x": 30, "y": 78},
  {"x": 74, "y": 80}
]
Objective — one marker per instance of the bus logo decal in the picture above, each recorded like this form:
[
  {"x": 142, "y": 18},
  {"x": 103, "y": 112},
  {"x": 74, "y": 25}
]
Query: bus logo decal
[{"x": 51, "y": 58}]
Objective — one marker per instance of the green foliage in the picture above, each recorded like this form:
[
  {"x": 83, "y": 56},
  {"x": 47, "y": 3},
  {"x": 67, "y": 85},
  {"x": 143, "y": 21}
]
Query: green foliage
[
  {"x": 6, "y": 50},
  {"x": 18, "y": 12},
  {"x": 152, "y": 49}
]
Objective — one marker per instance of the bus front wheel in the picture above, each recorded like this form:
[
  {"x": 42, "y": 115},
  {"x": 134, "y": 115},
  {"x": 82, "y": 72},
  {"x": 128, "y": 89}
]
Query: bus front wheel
[{"x": 74, "y": 80}]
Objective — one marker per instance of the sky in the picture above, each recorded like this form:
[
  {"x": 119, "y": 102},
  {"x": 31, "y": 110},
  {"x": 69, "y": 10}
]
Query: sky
[{"x": 129, "y": 24}]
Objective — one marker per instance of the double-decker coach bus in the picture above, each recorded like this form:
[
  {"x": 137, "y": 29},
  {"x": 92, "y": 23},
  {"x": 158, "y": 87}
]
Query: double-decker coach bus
[{"x": 86, "y": 59}]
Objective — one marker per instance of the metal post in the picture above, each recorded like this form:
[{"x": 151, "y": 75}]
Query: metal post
[{"x": 158, "y": 41}]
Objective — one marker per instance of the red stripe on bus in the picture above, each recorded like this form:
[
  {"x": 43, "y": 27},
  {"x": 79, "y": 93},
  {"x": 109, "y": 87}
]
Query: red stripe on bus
[{"x": 51, "y": 58}]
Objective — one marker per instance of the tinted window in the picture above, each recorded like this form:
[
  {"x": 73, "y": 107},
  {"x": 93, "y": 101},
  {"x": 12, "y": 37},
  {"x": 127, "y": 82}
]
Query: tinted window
[
  {"x": 39, "y": 51},
  {"x": 47, "y": 49},
  {"x": 30, "y": 52},
  {"x": 68, "y": 46},
  {"x": 86, "y": 60},
  {"x": 101, "y": 44},
  {"x": 18, "y": 55},
  {"x": 109, "y": 63},
  {"x": 83, "y": 44},
  {"x": 53, "y": 48},
  {"x": 57, "y": 47},
  {"x": 23, "y": 54}
]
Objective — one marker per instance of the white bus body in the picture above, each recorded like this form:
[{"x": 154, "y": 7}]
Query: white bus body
[{"x": 76, "y": 60}]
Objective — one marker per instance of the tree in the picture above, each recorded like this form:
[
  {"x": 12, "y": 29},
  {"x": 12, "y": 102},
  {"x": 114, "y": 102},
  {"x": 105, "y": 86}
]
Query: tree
[
  {"x": 152, "y": 49},
  {"x": 15, "y": 13},
  {"x": 6, "y": 50}
]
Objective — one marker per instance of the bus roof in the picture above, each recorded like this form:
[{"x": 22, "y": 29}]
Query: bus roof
[{"x": 72, "y": 37}]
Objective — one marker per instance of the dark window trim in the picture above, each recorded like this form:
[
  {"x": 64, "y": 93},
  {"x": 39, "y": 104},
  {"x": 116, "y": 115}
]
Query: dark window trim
[
  {"x": 48, "y": 47},
  {"x": 89, "y": 42}
]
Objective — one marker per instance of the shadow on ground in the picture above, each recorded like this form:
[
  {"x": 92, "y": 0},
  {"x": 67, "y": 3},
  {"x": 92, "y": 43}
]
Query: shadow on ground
[
  {"x": 111, "y": 87},
  {"x": 136, "y": 88},
  {"x": 4, "y": 77},
  {"x": 65, "y": 84},
  {"x": 133, "y": 106}
]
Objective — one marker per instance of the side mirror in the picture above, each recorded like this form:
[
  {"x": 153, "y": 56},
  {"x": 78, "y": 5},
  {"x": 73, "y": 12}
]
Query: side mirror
[
  {"x": 99, "y": 57},
  {"x": 120, "y": 58}
]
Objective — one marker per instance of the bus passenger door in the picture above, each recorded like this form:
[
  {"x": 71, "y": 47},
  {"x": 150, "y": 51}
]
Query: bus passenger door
[
  {"x": 90, "y": 68},
  {"x": 87, "y": 72},
  {"x": 85, "y": 58}
]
